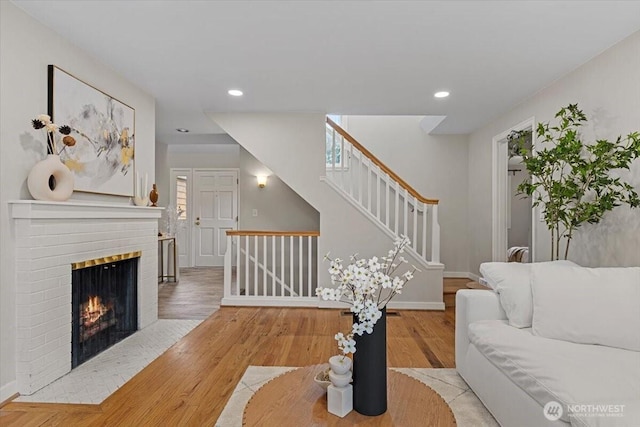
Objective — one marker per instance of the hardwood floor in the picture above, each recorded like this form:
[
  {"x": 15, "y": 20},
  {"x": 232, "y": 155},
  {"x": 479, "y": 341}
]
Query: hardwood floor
[
  {"x": 196, "y": 296},
  {"x": 190, "y": 383}
]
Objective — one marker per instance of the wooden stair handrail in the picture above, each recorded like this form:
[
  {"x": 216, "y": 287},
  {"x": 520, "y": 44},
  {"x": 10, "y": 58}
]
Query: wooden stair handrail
[
  {"x": 381, "y": 165},
  {"x": 273, "y": 233}
]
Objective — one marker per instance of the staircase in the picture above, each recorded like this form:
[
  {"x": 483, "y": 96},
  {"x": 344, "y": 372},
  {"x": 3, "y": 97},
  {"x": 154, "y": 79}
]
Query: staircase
[
  {"x": 381, "y": 195},
  {"x": 363, "y": 206}
]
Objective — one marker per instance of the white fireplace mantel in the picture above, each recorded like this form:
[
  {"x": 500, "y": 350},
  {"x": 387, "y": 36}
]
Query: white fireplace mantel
[
  {"x": 35, "y": 209},
  {"x": 48, "y": 238}
]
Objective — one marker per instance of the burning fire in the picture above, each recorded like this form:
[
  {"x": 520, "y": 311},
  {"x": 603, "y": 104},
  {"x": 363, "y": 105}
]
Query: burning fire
[{"x": 93, "y": 310}]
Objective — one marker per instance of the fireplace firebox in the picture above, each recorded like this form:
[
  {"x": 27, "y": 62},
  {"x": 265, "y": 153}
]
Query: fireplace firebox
[{"x": 104, "y": 304}]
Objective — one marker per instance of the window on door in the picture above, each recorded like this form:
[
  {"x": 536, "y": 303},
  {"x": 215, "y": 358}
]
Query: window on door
[{"x": 181, "y": 196}]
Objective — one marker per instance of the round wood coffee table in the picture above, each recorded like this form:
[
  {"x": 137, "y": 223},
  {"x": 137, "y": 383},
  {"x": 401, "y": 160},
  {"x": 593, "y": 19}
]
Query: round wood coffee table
[{"x": 294, "y": 399}]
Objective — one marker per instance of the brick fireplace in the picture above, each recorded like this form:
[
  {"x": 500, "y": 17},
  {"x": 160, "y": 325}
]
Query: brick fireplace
[{"x": 49, "y": 238}]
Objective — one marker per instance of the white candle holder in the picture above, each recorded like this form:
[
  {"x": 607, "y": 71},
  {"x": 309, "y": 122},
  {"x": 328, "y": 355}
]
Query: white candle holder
[{"x": 141, "y": 201}]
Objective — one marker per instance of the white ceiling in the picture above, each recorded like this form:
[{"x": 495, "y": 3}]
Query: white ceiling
[{"x": 347, "y": 57}]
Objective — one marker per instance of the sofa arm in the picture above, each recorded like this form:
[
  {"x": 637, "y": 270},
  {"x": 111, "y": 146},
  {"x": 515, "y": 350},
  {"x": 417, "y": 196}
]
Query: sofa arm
[{"x": 473, "y": 305}]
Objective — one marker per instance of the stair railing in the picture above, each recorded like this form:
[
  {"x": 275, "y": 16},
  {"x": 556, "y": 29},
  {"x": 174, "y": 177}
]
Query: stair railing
[
  {"x": 270, "y": 268},
  {"x": 389, "y": 201}
]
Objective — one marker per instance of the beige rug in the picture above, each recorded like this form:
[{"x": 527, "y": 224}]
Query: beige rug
[{"x": 466, "y": 407}]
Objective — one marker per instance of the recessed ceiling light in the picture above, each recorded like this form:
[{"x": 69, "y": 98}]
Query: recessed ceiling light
[
  {"x": 442, "y": 94},
  {"x": 183, "y": 130},
  {"x": 235, "y": 92}
]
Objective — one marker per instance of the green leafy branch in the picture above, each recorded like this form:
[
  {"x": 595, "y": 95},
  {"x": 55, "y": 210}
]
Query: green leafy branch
[{"x": 572, "y": 181}]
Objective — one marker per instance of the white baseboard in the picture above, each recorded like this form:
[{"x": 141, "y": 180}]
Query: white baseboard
[
  {"x": 8, "y": 390},
  {"x": 406, "y": 305},
  {"x": 396, "y": 305},
  {"x": 319, "y": 303},
  {"x": 474, "y": 277},
  {"x": 254, "y": 301}
]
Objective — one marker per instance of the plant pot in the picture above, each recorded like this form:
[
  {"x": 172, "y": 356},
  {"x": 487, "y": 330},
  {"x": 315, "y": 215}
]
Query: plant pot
[
  {"x": 370, "y": 370},
  {"x": 340, "y": 364},
  {"x": 50, "y": 180}
]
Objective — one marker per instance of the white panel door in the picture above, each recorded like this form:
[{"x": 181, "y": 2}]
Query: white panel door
[{"x": 215, "y": 211}]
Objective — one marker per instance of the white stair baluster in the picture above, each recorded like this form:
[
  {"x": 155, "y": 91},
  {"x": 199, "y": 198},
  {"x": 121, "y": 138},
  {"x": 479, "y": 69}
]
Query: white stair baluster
[
  {"x": 387, "y": 201},
  {"x": 369, "y": 164},
  {"x": 406, "y": 212},
  {"x": 424, "y": 230},
  {"x": 255, "y": 265},
  {"x": 360, "y": 178},
  {"x": 247, "y": 291},
  {"x": 342, "y": 162},
  {"x": 351, "y": 168},
  {"x": 309, "y": 269},
  {"x": 300, "y": 272},
  {"x": 273, "y": 266},
  {"x": 264, "y": 267},
  {"x": 397, "y": 208},
  {"x": 378, "y": 178},
  {"x": 282, "y": 255},
  {"x": 291, "y": 279},
  {"x": 414, "y": 241}
]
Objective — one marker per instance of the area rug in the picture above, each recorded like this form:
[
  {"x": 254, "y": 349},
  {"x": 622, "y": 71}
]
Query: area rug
[
  {"x": 466, "y": 407},
  {"x": 113, "y": 367}
]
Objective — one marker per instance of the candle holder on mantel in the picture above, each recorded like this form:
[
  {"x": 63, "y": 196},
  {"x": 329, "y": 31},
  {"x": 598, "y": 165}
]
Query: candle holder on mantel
[
  {"x": 153, "y": 196},
  {"x": 141, "y": 201}
]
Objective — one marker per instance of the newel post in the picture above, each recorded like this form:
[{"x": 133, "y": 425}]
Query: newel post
[
  {"x": 435, "y": 236},
  {"x": 227, "y": 266}
]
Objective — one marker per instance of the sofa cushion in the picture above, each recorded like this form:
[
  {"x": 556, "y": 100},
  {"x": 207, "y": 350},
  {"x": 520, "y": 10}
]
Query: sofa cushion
[
  {"x": 512, "y": 281},
  {"x": 561, "y": 371},
  {"x": 587, "y": 305}
]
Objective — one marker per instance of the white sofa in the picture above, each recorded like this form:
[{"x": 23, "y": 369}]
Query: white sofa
[{"x": 516, "y": 371}]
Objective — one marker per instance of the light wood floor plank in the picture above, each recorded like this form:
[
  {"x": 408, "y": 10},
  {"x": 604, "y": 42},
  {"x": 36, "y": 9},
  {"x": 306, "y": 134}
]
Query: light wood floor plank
[{"x": 192, "y": 381}]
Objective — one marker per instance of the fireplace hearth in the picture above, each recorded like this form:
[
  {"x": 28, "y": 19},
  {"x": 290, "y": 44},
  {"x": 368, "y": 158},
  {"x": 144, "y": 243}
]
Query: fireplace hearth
[{"x": 104, "y": 304}]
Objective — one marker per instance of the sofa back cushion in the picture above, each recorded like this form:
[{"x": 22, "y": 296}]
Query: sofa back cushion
[
  {"x": 512, "y": 283},
  {"x": 587, "y": 305}
]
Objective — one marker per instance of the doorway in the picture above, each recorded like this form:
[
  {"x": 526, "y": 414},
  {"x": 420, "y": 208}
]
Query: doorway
[
  {"x": 207, "y": 205},
  {"x": 513, "y": 225}
]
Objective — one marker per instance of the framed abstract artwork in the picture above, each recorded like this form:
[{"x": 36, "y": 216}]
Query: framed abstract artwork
[{"x": 102, "y": 159}]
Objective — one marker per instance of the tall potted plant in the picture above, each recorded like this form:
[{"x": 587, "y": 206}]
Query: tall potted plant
[{"x": 571, "y": 180}]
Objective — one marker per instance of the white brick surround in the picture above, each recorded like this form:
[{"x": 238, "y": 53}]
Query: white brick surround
[{"x": 49, "y": 236}]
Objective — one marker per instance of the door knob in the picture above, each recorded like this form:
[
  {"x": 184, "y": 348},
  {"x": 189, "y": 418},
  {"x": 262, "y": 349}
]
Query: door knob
[{"x": 197, "y": 222}]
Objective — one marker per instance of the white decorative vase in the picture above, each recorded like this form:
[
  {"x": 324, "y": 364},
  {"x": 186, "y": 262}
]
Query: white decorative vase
[
  {"x": 340, "y": 364},
  {"x": 340, "y": 380},
  {"x": 141, "y": 201},
  {"x": 50, "y": 180}
]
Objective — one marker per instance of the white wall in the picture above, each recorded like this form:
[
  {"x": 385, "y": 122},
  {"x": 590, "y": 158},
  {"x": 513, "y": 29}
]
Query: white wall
[
  {"x": 607, "y": 89},
  {"x": 26, "y": 48},
  {"x": 435, "y": 165},
  {"x": 278, "y": 206}
]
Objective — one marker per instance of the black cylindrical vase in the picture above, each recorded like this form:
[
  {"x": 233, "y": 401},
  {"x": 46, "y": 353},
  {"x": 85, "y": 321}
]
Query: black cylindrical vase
[{"x": 370, "y": 370}]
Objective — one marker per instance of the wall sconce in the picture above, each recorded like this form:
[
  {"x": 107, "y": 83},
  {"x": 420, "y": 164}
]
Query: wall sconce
[{"x": 262, "y": 181}]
